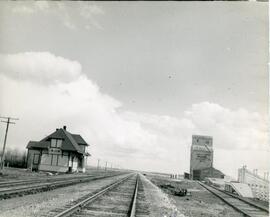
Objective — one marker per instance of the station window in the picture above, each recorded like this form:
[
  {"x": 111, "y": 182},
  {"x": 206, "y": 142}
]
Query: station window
[
  {"x": 36, "y": 159},
  {"x": 56, "y": 143},
  {"x": 82, "y": 147},
  {"x": 53, "y": 143}
]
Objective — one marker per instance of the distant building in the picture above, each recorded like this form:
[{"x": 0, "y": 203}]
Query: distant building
[
  {"x": 219, "y": 182},
  {"x": 201, "y": 154},
  {"x": 201, "y": 174},
  {"x": 186, "y": 176},
  {"x": 61, "y": 151},
  {"x": 240, "y": 189},
  {"x": 258, "y": 185}
]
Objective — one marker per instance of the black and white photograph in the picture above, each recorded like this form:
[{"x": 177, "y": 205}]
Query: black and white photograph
[{"x": 134, "y": 108}]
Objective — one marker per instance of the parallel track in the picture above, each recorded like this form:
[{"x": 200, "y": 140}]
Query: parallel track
[
  {"x": 117, "y": 199},
  {"x": 246, "y": 208},
  {"x": 34, "y": 180},
  {"x": 21, "y": 188},
  {"x": 5, "y": 184}
]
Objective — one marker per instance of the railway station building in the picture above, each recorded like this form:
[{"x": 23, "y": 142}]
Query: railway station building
[{"x": 61, "y": 151}]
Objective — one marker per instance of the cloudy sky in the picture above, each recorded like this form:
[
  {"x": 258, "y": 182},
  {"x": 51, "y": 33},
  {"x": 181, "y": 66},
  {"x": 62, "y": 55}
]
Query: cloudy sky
[{"x": 136, "y": 80}]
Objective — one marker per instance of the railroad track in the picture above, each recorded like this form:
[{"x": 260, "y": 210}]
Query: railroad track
[
  {"x": 11, "y": 183},
  {"x": 123, "y": 198},
  {"x": 34, "y": 186},
  {"x": 38, "y": 180},
  {"x": 243, "y": 206}
]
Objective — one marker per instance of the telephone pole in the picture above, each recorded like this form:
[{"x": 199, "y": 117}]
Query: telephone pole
[
  {"x": 7, "y": 120},
  {"x": 106, "y": 166},
  {"x": 98, "y": 164}
]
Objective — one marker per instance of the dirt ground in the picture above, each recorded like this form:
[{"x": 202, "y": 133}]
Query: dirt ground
[
  {"x": 16, "y": 173},
  {"x": 23, "y": 174},
  {"x": 197, "y": 203}
]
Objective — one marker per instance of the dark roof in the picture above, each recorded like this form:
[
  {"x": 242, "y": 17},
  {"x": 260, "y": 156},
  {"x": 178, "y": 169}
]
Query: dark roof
[
  {"x": 79, "y": 139},
  {"x": 34, "y": 144},
  {"x": 71, "y": 142}
]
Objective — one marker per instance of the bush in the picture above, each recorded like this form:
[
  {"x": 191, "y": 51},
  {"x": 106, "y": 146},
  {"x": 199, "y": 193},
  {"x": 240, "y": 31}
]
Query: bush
[{"x": 15, "y": 158}]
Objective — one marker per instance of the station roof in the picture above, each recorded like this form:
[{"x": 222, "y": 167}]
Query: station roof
[
  {"x": 71, "y": 142},
  {"x": 42, "y": 145}
]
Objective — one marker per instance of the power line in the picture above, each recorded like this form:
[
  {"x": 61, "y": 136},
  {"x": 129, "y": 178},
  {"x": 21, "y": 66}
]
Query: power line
[{"x": 5, "y": 140}]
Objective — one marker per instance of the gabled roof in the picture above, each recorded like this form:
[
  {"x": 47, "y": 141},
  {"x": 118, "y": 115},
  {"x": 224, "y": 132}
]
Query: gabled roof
[
  {"x": 71, "y": 142},
  {"x": 34, "y": 144},
  {"x": 79, "y": 139}
]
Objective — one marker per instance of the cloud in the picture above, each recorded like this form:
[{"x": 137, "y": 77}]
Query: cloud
[
  {"x": 90, "y": 10},
  {"x": 231, "y": 129},
  {"x": 66, "y": 12},
  {"x": 23, "y": 10},
  {"x": 134, "y": 140},
  {"x": 85, "y": 10},
  {"x": 42, "y": 5},
  {"x": 42, "y": 67},
  {"x": 30, "y": 8},
  {"x": 70, "y": 25}
]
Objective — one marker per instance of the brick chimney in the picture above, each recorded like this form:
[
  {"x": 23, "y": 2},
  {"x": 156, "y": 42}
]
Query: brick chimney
[{"x": 65, "y": 127}]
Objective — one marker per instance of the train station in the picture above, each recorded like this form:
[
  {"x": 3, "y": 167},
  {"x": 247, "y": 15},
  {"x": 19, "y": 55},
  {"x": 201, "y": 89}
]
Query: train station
[{"x": 61, "y": 151}]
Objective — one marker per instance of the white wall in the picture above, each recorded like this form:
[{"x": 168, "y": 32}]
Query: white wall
[
  {"x": 56, "y": 163},
  {"x": 259, "y": 186}
]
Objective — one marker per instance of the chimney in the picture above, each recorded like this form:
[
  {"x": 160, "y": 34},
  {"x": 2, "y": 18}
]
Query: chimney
[{"x": 65, "y": 127}]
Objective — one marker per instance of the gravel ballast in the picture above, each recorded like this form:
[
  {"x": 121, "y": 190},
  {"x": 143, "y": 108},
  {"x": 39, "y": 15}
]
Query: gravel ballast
[
  {"x": 160, "y": 205},
  {"x": 42, "y": 203}
]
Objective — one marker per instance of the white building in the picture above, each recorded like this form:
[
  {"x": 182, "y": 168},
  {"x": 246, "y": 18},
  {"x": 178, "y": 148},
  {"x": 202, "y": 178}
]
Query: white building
[{"x": 259, "y": 185}]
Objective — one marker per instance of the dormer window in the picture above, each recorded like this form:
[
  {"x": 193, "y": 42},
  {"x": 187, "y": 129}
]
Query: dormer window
[
  {"x": 82, "y": 147},
  {"x": 56, "y": 143}
]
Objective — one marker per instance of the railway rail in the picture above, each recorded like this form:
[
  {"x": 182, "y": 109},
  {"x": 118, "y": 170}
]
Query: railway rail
[
  {"x": 124, "y": 197},
  {"x": 243, "y": 206},
  {"x": 34, "y": 180},
  {"x": 24, "y": 187}
]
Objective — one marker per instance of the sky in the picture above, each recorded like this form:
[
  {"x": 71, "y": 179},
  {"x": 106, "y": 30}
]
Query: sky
[{"x": 138, "y": 79}]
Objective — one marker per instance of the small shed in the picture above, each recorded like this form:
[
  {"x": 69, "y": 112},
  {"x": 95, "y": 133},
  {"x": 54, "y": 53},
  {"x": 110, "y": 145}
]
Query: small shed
[{"x": 240, "y": 189}]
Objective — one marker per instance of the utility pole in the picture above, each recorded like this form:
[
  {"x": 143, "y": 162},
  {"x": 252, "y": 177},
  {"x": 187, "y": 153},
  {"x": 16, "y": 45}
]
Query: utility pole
[
  {"x": 98, "y": 164},
  {"x": 5, "y": 140},
  {"x": 106, "y": 166}
]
